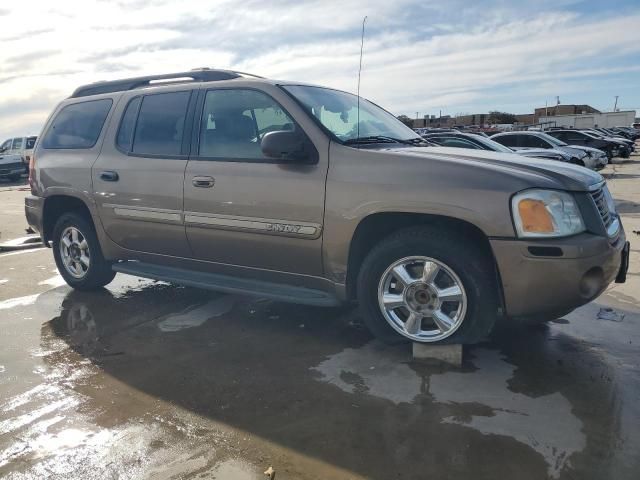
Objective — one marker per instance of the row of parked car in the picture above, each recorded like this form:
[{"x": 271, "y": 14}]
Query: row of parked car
[
  {"x": 591, "y": 148},
  {"x": 15, "y": 154}
]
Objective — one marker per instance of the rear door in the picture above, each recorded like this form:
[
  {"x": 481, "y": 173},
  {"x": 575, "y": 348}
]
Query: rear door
[
  {"x": 242, "y": 208},
  {"x": 139, "y": 174}
]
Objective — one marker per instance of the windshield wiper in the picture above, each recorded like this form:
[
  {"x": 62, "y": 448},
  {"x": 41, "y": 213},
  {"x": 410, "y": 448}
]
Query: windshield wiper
[{"x": 383, "y": 139}]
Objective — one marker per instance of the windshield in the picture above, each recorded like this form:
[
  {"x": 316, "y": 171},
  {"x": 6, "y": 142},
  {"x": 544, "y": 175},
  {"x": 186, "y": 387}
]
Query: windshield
[
  {"x": 338, "y": 112},
  {"x": 492, "y": 144},
  {"x": 552, "y": 140}
]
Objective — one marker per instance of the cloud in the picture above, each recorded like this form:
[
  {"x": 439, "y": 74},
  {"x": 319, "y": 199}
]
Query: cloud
[{"x": 418, "y": 56}]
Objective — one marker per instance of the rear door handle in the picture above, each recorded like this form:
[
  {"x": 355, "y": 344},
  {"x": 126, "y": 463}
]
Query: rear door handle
[
  {"x": 203, "y": 182},
  {"x": 109, "y": 176}
]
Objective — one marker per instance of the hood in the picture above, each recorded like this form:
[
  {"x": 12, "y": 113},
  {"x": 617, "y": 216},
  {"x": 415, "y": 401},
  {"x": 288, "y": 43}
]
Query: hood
[
  {"x": 540, "y": 173},
  {"x": 594, "y": 152},
  {"x": 543, "y": 152}
]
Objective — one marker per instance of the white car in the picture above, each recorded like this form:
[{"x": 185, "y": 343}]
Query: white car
[{"x": 11, "y": 166}]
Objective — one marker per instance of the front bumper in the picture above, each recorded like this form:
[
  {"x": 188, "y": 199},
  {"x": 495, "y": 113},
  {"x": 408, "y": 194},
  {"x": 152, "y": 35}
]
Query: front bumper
[
  {"x": 549, "y": 278},
  {"x": 33, "y": 210}
]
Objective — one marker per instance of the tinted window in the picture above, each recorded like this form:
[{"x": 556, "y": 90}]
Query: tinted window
[
  {"x": 234, "y": 122},
  {"x": 77, "y": 125},
  {"x": 31, "y": 142},
  {"x": 127, "y": 124},
  {"x": 161, "y": 124},
  {"x": 531, "y": 141},
  {"x": 507, "y": 140},
  {"x": 457, "y": 142}
]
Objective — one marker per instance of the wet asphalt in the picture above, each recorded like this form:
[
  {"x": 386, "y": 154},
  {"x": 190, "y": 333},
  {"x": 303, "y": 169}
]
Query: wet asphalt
[{"x": 144, "y": 379}]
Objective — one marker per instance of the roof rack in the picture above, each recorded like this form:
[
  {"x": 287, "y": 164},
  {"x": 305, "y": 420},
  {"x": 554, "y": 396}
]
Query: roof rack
[{"x": 197, "y": 75}]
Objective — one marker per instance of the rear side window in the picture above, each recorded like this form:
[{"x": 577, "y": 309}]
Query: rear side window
[
  {"x": 127, "y": 125},
  {"x": 31, "y": 142},
  {"x": 160, "y": 124},
  {"x": 507, "y": 140},
  {"x": 77, "y": 125},
  {"x": 531, "y": 141}
]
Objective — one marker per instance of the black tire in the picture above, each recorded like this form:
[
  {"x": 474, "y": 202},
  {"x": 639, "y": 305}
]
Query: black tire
[
  {"x": 472, "y": 265},
  {"x": 99, "y": 272}
]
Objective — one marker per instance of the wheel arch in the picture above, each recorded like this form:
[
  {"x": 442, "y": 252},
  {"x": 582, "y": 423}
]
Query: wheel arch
[
  {"x": 57, "y": 205},
  {"x": 377, "y": 226}
]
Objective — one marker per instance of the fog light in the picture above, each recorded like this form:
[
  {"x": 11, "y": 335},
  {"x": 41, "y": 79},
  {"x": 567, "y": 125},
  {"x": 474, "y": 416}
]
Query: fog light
[{"x": 592, "y": 283}]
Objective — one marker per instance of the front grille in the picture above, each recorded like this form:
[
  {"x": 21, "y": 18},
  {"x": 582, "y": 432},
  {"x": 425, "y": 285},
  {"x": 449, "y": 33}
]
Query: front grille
[
  {"x": 601, "y": 204},
  {"x": 8, "y": 167}
]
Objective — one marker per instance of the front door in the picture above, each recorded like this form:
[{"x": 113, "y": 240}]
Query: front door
[
  {"x": 139, "y": 174},
  {"x": 242, "y": 208}
]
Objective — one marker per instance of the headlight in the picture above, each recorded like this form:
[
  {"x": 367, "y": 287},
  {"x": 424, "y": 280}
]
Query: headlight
[
  {"x": 611, "y": 204},
  {"x": 546, "y": 213}
]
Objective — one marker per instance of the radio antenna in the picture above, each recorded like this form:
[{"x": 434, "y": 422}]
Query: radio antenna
[{"x": 359, "y": 71}]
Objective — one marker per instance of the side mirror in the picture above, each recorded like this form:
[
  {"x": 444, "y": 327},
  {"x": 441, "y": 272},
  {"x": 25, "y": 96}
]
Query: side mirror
[{"x": 288, "y": 146}]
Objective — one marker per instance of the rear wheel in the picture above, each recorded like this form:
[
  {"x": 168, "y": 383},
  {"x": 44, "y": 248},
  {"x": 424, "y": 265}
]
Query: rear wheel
[
  {"x": 428, "y": 285},
  {"x": 78, "y": 254}
]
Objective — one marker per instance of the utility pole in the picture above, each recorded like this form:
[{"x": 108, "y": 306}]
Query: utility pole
[
  {"x": 557, "y": 100},
  {"x": 615, "y": 105}
]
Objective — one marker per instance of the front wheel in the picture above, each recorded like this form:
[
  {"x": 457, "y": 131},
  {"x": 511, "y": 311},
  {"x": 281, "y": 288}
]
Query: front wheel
[
  {"x": 78, "y": 254},
  {"x": 428, "y": 285}
]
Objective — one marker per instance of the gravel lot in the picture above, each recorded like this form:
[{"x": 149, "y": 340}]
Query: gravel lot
[{"x": 149, "y": 380}]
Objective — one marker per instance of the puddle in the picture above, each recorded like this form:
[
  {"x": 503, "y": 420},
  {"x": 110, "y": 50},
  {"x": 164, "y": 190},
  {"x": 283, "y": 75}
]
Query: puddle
[
  {"x": 544, "y": 423},
  {"x": 372, "y": 369},
  {"x": 194, "y": 316}
]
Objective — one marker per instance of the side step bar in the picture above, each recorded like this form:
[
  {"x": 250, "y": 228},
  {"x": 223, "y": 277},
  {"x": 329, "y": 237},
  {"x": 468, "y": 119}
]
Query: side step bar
[{"x": 228, "y": 284}]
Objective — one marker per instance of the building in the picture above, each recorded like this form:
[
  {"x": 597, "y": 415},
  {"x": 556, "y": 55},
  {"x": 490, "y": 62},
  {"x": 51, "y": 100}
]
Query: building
[
  {"x": 596, "y": 119},
  {"x": 556, "y": 110}
]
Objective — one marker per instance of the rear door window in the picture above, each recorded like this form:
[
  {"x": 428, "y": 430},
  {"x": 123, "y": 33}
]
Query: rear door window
[
  {"x": 531, "y": 141},
  {"x": 160, "y": 126},
  {"x": 127, "y": 125},
  {"x": 77, "y": 125},
  {"x": 31, "y": 142},
  {"x": 507, "y": 140}
]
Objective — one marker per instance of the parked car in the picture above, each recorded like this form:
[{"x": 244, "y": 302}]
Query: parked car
[
  {"x": 308, "y": 194},
  {"x": 629, "y": 144},
  {"x": 522, "y": 141},
  {"x": 11, "y": 166},
  {"x": 628, "y": 132},
  {"x": 612, "y": 148},
  {"x": 22, "y": 146},
  {"x": 479, "y": 142}
]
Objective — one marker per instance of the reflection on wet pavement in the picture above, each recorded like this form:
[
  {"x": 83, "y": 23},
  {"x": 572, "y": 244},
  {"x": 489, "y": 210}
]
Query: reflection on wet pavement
[{"x": 148, "y": 380}]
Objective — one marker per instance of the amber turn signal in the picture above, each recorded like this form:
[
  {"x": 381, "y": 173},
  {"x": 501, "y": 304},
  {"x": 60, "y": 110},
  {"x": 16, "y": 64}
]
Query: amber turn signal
[{"x": 535, "y": 216}]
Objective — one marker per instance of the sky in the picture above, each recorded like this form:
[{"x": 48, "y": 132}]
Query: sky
[{"x": 419, "y": 56}]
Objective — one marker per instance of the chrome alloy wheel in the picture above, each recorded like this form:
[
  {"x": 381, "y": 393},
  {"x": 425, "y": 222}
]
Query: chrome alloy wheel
[
  {"x": 74, "y": 251},
  {"x": 422, "y": 299}
]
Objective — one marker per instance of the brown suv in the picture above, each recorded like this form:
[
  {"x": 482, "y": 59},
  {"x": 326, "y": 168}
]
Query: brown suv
[{"x": 227, "y": 181}]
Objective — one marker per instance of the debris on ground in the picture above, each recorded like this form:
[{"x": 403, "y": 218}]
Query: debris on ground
[
  {"x": 610, "y": 314},
  {"x": 270, "y": 473}
]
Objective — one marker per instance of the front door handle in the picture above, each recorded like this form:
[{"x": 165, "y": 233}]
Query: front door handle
[
  {"x": 203, "y": 182},
  {"x": 109, "y": 176}
]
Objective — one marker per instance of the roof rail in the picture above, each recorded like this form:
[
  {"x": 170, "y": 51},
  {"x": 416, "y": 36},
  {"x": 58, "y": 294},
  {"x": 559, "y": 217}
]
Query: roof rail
[{"x": 197, "y": 75}]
